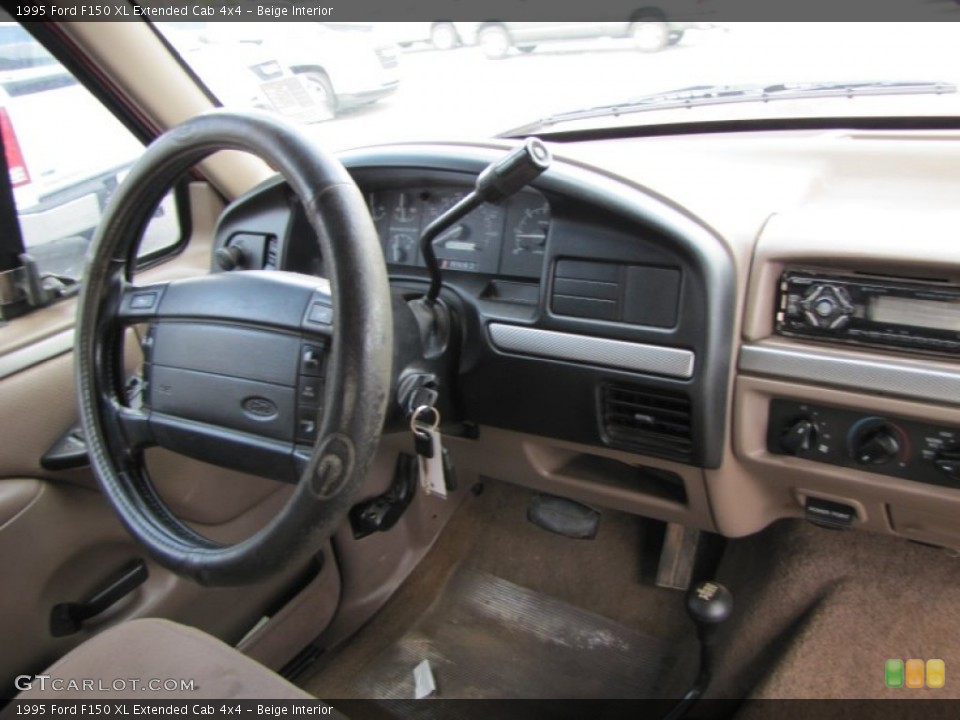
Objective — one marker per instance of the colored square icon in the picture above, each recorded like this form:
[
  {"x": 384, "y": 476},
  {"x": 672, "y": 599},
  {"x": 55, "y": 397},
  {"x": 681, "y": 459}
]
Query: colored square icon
[
  {"x": 914, "y": 674},
  {"x": 894, "y": 673},
  {"x": 936, "y": 673}
]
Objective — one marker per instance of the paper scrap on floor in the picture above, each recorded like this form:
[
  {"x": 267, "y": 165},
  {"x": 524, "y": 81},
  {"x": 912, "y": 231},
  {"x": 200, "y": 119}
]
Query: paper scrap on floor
[{"x": 423, "y": 683}]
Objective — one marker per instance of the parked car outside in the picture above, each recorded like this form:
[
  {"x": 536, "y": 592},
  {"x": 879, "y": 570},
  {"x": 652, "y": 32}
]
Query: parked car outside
[
  {"x": 338, "y": 67},
  {"x": 217, "y": 63},
  {"x": 440, "y": 34},
  {"x": 650, "y": 30},
  {"x": 60, "y": 185}
]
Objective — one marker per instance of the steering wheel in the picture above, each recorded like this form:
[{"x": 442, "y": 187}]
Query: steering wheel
[{"x": 241, "y": 369}]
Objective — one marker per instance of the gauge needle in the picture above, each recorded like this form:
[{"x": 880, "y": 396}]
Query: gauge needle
[
  {"x": 452, "y": 234},
  {"x": 529, "y": 242},
  {"x": 402, "y": 212},
  {"x": 376, "y": 210},
  {"x": 460, "y": 245}
]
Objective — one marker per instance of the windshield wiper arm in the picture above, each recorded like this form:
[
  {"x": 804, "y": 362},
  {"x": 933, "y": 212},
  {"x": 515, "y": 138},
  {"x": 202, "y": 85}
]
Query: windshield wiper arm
[{"x": 700, "y": 95}]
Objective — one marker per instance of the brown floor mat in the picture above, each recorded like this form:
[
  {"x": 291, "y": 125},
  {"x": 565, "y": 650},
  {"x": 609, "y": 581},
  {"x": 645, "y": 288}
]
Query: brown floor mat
[
  {"x": 819, "y": 612},
  {"x": 486, "y": 637}
]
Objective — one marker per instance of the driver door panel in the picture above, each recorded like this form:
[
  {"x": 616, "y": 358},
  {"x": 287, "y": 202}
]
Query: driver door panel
[{"x": 60, "y": 539}]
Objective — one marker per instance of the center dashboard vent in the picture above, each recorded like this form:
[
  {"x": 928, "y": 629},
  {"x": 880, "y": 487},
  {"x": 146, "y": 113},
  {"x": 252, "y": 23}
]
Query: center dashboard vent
[{"x": 655, "y": 422}]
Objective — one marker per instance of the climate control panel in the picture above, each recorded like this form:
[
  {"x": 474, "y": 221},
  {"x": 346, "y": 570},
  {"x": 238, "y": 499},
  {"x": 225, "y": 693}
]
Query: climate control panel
[{"x": 888, "y": 445}]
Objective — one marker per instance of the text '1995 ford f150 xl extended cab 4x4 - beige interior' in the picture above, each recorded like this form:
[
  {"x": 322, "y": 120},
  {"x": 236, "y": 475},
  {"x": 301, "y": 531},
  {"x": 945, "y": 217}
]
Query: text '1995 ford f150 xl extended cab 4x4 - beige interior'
[{"x": 585, "y": 373}]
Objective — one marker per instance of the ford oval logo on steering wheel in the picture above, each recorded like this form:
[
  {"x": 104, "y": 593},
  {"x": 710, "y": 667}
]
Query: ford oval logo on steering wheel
[{"x": 259, "y": 408}]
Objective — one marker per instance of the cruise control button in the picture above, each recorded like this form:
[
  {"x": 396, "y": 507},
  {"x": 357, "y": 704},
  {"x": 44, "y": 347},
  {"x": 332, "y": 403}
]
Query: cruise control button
[
  {"x": 143, "y": 301},
  {"x": 306, "y": 424},
  {"x": 310, "y": 391},
  {"x": 311, "y": 360},
  {"x": 322, "y": 314}
]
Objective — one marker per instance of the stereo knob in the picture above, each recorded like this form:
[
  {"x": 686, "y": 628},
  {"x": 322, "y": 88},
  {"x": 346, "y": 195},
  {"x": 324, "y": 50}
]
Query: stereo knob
[
  {"x": 827, "y": 307},
  {"x": 799, "y": 436},
  {"x": 877, "y": 445}
]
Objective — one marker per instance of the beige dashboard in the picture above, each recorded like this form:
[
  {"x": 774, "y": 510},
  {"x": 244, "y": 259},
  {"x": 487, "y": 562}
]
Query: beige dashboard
[{"x": 842, "y": 202}]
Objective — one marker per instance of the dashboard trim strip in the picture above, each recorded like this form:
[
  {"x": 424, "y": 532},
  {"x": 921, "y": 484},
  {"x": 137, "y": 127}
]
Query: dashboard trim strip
[
  {"x": 891, "y": 377},
  {"x": 638, "y": 357}
]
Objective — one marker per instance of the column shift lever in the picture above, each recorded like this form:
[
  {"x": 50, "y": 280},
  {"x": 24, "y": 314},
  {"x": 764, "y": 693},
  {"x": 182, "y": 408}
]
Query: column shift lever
[{"x": 497, "y": 182}]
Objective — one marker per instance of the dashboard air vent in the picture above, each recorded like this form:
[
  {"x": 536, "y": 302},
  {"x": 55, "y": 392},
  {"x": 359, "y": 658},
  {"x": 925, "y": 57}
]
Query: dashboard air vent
[{"x": 655, "y": 422}]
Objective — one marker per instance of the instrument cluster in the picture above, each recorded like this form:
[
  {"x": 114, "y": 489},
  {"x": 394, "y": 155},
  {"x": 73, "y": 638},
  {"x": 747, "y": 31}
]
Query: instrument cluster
[{"x": 508, "y": 239}]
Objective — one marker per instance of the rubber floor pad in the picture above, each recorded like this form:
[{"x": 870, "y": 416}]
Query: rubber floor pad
[{"x": 489, "y": 638}]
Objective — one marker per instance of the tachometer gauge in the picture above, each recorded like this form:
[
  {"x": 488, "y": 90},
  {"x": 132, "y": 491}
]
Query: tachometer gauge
[
  {"x": 530, "y": 233},
  {"x": 437, "y": 202},
  {"x": 528, "y": 227}
]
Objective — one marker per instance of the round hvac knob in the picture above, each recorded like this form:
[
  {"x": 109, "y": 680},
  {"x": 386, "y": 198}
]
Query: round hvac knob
[
  {"x": 799, "y": 436},
  {"x": 876, "y": 445}
]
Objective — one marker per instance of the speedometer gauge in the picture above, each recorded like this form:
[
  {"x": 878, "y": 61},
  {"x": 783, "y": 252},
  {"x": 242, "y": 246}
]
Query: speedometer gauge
[
  {"x": 473, "y": 244},
  {"x": 525, "y": 245}
]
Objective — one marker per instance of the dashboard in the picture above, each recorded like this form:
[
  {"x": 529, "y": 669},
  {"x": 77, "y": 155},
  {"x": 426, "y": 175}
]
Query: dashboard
[
  {"x": 624, "y": 340},
  {"x": 604, "y": 326}
]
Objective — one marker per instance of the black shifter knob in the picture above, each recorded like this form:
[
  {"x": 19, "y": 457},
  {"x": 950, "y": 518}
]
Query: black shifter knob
[
  {"x": 709, "y": 604},
  {"x": 512, "y": 173}
]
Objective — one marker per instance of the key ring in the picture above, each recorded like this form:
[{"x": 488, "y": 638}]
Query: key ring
[{"x": 420, "y": 411}]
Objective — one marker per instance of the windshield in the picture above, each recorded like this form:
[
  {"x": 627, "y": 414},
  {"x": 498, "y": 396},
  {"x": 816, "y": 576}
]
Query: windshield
[{"x": 361, "y": 84}]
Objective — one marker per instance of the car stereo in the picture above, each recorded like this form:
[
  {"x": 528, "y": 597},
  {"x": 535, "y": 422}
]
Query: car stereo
[{"x": 892, "y": 313}]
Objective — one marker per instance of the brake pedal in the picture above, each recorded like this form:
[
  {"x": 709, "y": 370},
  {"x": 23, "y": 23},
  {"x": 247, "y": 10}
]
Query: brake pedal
[{"x": 678, "y": 557}]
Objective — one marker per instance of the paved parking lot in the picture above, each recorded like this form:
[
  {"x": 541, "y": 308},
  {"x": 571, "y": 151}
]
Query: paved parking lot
[{"x": 460, "y": 93}]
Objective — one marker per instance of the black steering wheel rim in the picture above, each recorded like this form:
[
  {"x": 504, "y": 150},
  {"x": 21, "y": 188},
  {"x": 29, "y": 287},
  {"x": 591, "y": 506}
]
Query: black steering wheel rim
[{"x": 358, "y": 366}]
